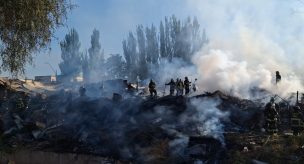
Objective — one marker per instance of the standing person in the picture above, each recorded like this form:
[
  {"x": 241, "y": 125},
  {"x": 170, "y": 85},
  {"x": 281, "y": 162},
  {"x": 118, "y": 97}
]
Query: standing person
[
  {"x": 187, "y": 84},
  {"x": 194, "y": 87},
  {"x": 172, "y": 87},
  {"x": 180, "y": 87},
  {"x": 152, "y": 88},
  {"x": 278, "y": 77},
  {"x": 272, "y": 117}
]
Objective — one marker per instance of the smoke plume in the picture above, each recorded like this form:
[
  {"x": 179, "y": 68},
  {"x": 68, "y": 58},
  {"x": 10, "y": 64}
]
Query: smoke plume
[{"x": 249, "y": 41}]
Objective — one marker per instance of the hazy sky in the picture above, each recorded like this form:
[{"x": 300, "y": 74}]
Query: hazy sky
[
  {"x": 252, "y": 29},
  {"x": 114, "y": 19}
]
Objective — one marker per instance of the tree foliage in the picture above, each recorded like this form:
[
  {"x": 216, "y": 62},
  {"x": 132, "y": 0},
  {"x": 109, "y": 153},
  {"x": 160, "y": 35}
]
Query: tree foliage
[
  {"x": 97, "y": 58},
  {"x": 85, "y": 66},
  {"x": 142, "y": 55},
  {"x": 152, "y": 45},
  {"x": 162, "y": 41},
  {"x": 27, "y": 26},
  {"x": 130, "y": 54},
  {"x": 143, "y": 51},
  {"x": 175, "y": 39},
  {"x": 70, "y": 53},
  {"x": 115, "y": 66}
]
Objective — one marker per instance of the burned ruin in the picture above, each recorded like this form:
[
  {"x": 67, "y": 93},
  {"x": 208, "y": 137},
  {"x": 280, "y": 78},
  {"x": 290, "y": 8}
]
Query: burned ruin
[{"x": 130, "y": 127}]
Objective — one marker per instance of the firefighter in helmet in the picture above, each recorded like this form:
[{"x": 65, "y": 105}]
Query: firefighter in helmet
[
  {"x": 172, "y": 87},
  {"x": 152, "y": 88},
  {"x": 272, "y": 117},
  {"x": 187, "y": 84},
  {"x": 180, "y": 88}
]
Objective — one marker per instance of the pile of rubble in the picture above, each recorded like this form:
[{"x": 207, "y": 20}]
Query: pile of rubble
[{"x": 131, "y": 129}]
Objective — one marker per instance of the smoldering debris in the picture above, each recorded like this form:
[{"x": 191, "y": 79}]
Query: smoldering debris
[{"x": 169, "y": 129}]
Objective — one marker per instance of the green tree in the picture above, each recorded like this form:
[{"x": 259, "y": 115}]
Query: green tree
[
  {"x": 130, "y": 54},
  {"x": 175, "y": 31},
  {"x": 152, "y": 45},
  {"x": 85, "y": 67},
  {"x": 185, "y": 40},
  {"x": 97, "y": 58},
  {"x": 168, "y": 42},
  {"x": 115, "y": 66},
  {"x": 70, "y": 54},
  {"x": 175, "y": 39},
  {"x": 26, "y": 27},
  {"x": 196, "y": 40},
  {"x": 141, "y": 42},
  {"x": 162, "y": 41}
]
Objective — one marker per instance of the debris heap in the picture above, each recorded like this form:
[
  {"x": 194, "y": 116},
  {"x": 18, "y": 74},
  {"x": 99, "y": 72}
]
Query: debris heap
[{"x": 169, "y": 129}]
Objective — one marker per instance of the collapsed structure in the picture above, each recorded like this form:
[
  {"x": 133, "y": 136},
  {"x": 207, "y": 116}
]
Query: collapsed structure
[{"x": 133, "y": 128}]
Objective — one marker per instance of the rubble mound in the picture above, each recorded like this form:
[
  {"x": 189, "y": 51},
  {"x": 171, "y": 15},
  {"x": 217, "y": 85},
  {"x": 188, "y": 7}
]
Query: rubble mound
[{"x": 169, "y": 129}]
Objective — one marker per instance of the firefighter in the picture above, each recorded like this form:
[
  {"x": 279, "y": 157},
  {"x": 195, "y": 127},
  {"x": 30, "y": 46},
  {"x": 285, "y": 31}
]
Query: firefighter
[
  {"x": 278, "y": 77},
  {"x": 152, "y": 88},
  {"x": 297, "y": 120},
  {"x": 172, "y": 87},
  {"x": 272, "y": 117},
  {"x": 180, "y": 88},
  {"x": 187, "y": 84}
]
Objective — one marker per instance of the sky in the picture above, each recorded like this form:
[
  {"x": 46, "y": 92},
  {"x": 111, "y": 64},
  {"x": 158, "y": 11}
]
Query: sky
[
  {"x": 114, "y": 19},
  {"x": 258, "y": 32}
]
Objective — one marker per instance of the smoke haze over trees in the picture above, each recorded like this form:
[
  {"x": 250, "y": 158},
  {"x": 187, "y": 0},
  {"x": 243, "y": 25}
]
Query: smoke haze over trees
[
  {"x": 96, "y": 56},
  {"x": 150, "y": 48},
  {"x": 70, "y": 54},
  {"x": 144, "y": 51}
]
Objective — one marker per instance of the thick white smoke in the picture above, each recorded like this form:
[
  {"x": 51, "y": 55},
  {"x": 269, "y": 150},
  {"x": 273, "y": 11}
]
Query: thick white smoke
[
  {"x": 249, "y": 41},
  {"x": 177, "y": 68},
  {"x": 220, "y": 70},
  {"x": 208, "y": 118}
]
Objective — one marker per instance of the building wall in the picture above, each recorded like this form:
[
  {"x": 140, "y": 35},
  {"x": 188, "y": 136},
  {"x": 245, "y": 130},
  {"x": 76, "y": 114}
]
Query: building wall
[{"x": 46, "y": 79}]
